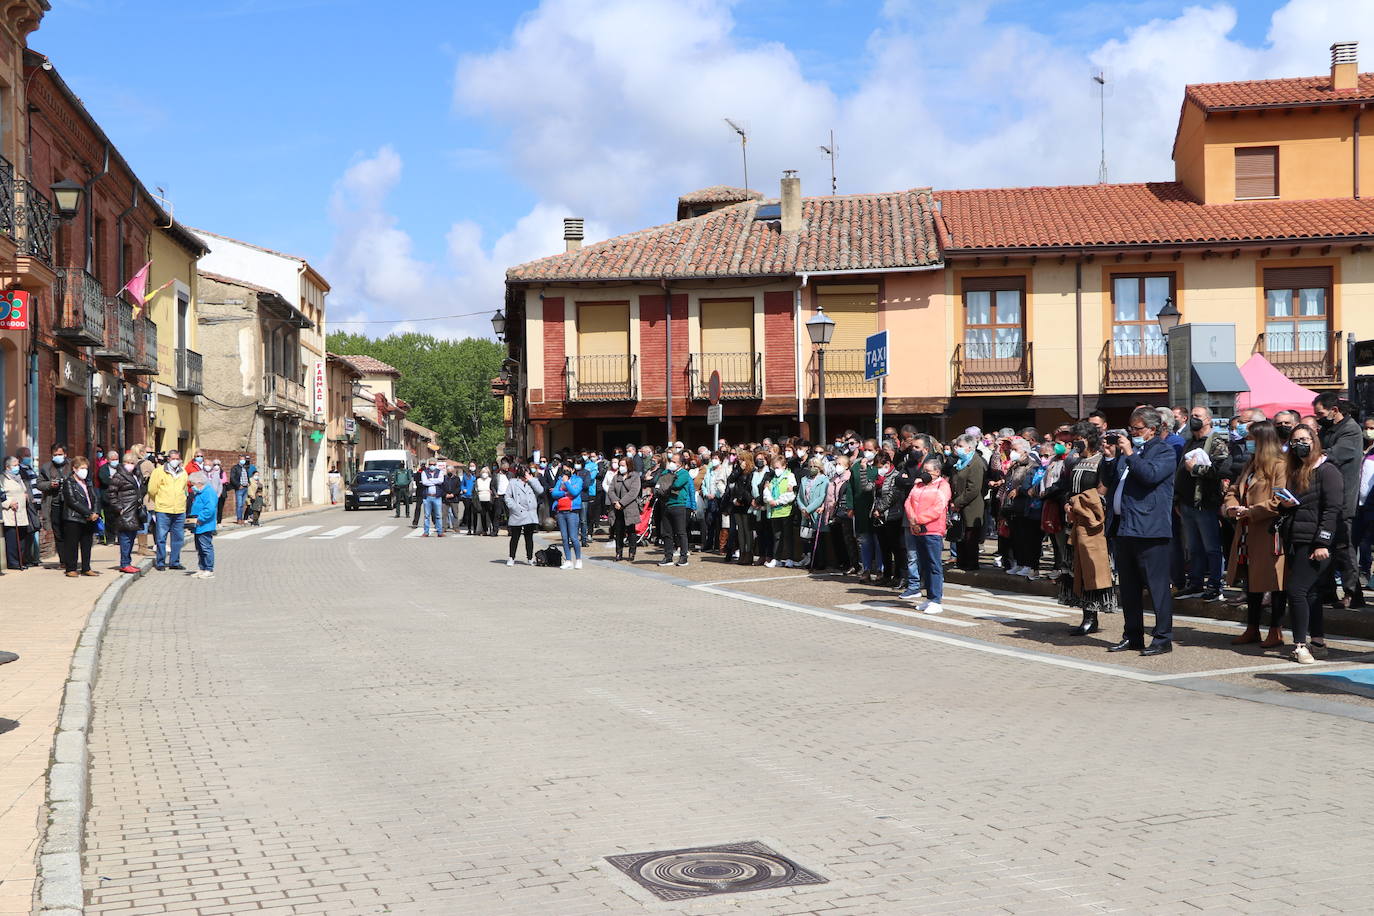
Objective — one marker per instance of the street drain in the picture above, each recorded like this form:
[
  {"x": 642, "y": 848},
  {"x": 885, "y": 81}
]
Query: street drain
[{"x": 680, "y": 874}]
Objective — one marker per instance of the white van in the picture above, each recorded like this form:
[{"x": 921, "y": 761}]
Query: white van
[{"x": 385, "y": 459}]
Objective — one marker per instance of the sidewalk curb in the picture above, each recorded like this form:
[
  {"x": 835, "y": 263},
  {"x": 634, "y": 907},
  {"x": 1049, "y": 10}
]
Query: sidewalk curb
[{"x": 58, "y": 891}]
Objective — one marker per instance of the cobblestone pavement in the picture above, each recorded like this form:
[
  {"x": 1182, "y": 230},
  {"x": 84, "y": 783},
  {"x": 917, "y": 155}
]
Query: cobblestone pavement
[{"x": 346, "y": 725}]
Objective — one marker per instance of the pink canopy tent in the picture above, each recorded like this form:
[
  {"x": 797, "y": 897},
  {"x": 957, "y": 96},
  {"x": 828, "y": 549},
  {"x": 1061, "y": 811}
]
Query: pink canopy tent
[{"x": 1271, "y": 390}]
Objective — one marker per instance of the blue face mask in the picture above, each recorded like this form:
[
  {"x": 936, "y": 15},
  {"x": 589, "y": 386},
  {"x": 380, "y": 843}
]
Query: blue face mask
[
  {"x": 1138, "y": 441},
  {"x": 1242, "y": 428},
  {"x": 26, "y": 462},
  {"x": 1250, "y": 446}
]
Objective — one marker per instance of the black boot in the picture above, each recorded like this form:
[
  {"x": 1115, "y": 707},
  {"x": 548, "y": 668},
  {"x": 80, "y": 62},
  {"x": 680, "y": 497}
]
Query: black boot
[
  {"x": 632, "y": 554},
  {"x": 1089, "y": 624},
  {"x": 618, "y": 556}
]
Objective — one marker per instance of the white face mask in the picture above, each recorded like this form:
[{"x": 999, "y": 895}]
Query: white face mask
[
  {"x": 672, "y": 465},
  {"x": 1014, "y": 455},
  {"x": 59, "y": 460},
  {"x": 128, "y": 467},
  {"x": 82, "y": 472},
  {"x": 868, "y": 455},
  {"x": 173, "y": 464},
  {"x": 788, "y": 453},
  {"x": 624, "y": 469}
]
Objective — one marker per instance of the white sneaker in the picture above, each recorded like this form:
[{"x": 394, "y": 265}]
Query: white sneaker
[
  {"x": 577, "y": 564},
  {"x": 566, "y": 565},
  {"x": 205, "y": 574},
  {"x": 1302, "y": 656},
  {"x": 511, "y": 561},
  {"x": 933, "y": 608},
  {"x": 771, "y": 564},
  {"x": 1013, "y": 570},
  {"x": 735, "y": 555},
  {"x": 805, "y": 561}
]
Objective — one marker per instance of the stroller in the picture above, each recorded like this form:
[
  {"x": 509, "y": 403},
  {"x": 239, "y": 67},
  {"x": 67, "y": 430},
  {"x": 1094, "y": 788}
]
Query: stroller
[{"x": 645, "y": 529}]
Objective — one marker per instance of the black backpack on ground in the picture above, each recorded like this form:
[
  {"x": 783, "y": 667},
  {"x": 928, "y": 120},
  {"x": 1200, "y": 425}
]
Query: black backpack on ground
[{"x": 549, "y": 556}]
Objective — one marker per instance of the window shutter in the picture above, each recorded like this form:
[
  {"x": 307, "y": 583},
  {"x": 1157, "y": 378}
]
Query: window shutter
[
  {"x": 603, "y": 329},
  {"x": 1297, "y": 278},
  {"x": 1257, "y": 171},
  {"x": 855, "y": 315},
  {"x": 727, "y": 326},
  {"x": 990, "y": 284}
]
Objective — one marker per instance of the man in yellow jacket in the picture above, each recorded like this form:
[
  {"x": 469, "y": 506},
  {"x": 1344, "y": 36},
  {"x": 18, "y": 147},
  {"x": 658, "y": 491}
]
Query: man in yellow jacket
[{"x": 167, "y": 490}]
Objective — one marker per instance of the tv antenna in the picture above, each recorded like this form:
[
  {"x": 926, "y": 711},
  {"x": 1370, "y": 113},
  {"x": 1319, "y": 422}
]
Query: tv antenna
[
  {"x": 1100, "y": 77},
  {"x": 829, "y": 152},
  {"x": 743, "y": 147}
]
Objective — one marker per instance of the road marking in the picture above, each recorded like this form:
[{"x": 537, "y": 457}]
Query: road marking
[
  {"x": 1275, "y": 666},
  {"x": 337, "y": 532},
  {"x": 1006, "y": 596},
  {"x": 972, "y": 609},
  {"x": 246, "y": 533},
  {"x": 741, "y": 581},
  {"x": 292, "y": 532},
  {"x": 415, "y": 533},
  {"x": 904, "y": 612},
  {"x": 380, "y": 531}
]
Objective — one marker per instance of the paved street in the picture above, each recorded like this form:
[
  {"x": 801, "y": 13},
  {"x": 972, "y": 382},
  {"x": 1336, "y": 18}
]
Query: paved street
[{"x": 353, "y": 721}]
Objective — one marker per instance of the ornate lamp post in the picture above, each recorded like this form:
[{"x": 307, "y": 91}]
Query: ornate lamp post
[{"x": 821, "y": 327}]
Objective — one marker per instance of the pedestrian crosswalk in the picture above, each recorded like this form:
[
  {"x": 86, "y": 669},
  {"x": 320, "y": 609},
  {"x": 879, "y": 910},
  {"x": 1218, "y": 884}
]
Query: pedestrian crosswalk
[
  {"x": 336, "y": 533},
  {"x": 965, "y": 606},
  {"x": 292, "y": 532}
]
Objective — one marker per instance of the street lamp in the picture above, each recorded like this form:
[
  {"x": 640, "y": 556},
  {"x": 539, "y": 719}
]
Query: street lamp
[
  {"x": 498, "y": 324},
  {"x": 1169, "y": 316},
  {"x": 67, "y": 196},
  {"x": 821, "y": 327}
]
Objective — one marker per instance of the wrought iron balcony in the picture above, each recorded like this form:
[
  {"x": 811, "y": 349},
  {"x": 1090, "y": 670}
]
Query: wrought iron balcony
[
  {"x": 80, "y": 308},
  {"x": 7, "y": 201},
  {"x": 741, "y": 375},
  {"x": 190, "y": 372},
  {"x": 36, "y": 223},
  {"x": 145, "y": 348},
  {"x": 992, "y": 367},
  {"x": 844, "y": 375},
  {"x": 1306, "y": 357},
  {"x": 1135, "y": 365},
  {"x": 119, "y": 331},
  {"x": 601, "y": 378},
  {"x": 283, "y": 395}
]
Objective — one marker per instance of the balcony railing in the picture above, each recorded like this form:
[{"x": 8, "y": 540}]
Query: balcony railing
[
  {"x": 80, "y": 312},
  {"x": 36, "y": 223},
  {"x": 989, "y": 367},
  {"x": 844, "y": 374},
  {"x": 1306, "y": 357},
  {"x": 741, "y": 375},
  {"x": 601, "y": 378},
  {"x": 283, "y": 395},
  {"x": 190, "y": 372},
  {"x": 119, "y": 331},
  {"x": 145, "y": 348},
  {"x": 1135, "y": 365},
  {"x": 7, "y": 202}
]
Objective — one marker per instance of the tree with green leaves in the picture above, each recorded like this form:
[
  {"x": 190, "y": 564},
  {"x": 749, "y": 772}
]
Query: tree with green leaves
[{"x": 446, "y": 383}]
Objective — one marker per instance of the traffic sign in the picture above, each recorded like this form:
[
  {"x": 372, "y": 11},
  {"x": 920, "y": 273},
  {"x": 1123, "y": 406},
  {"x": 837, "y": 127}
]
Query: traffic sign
[
  {"x": 714, "y": 414},
  {"x": 875, "y": 356},
  {"x": 1364, "y": 352},
  {"x": 350, "y": 426},
  {"x": 713, "y": 389}
]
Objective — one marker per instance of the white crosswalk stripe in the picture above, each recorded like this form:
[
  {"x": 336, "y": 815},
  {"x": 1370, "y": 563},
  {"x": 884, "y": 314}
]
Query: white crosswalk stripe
[
  {"x": 337, "y": 532},
  {"x": 904, "y": 612},
  {"x": 380, "y": 531},
  {"x": 245, "y": 533},
  {"x": 292, "y": 532},
  {"x": 415, "y": 533}
]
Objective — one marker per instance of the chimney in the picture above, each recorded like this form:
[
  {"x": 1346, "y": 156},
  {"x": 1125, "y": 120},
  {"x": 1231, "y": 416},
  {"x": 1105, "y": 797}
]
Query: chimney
[
  {"x": 791, "y": 202},
  {"x": 1344, "y": 68},
  {"x": 572, "y": 233}
]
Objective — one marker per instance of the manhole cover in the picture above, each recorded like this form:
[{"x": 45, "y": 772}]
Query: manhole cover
[{"x": 679, "y": 874}]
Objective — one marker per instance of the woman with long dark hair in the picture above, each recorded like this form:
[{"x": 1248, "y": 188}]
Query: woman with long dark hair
[
  {"x": 1311, "y": 509},
  {"x": 1257, "y": 550},
  {"x": 1090, "y": 585}
]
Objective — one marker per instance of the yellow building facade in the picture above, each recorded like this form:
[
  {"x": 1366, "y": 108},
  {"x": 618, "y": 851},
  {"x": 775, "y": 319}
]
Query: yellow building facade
[{"x": 174, "y": 252}]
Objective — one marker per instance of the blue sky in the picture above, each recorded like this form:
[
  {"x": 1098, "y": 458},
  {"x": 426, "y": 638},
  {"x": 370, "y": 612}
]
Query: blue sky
[{"x": 414, "y": 150}]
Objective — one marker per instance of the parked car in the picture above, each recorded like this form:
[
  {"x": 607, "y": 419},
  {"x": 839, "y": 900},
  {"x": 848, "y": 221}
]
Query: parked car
[{"x": 369, "y": 490}]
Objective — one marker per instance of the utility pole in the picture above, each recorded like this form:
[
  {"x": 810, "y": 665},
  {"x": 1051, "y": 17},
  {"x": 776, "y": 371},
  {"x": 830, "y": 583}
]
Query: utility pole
[
  {"x": 829, "y": 152},
  {"x": 1101, "y": 79},
  {"x": 743, "y": 148}
]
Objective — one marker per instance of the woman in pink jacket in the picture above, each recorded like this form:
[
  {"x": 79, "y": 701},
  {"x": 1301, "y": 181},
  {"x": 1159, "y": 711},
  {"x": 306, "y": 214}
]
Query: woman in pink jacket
[{"x": 926, "y": 514}]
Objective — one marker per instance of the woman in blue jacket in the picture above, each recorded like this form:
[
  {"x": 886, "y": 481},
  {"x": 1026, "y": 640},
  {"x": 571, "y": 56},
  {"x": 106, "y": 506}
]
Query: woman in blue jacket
[
  {"x": 567, "y": 503},
  {"x": 202, "y": 512}
]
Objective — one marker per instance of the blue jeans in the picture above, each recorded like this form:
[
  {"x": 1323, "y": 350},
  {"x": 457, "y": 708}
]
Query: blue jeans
[
  {"x": 582, "y": 530},
  {"x": 929, "y": 548},
  {"x": 205, "y": 550},
  {"x": 913, "y": 559},
  {"x": 568, "y": 521},
  {"x": 163, "y": 523},
  {"x": 1203, "y": 532},
  {"x": 126, "y": 547},
  {"x": 240, "y": 500},
  {"x": 870, "y": 552},
  {"x": 434, "y": 509}
]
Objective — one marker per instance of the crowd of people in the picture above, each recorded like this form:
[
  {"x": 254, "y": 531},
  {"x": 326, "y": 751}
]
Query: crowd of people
[{"x": 145, "y": 502}]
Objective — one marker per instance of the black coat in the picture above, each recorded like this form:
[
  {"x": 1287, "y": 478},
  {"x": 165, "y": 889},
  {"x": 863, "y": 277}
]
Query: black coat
[
  {"x": 79, "y": 503},
  {"x": 1344, "y": 446},
  {"x": 1318, "y": 514},
  {"x": 124, "y": 494}
]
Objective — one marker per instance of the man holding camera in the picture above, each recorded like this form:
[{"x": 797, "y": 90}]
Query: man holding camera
[{"x": 1139, "y": 474}]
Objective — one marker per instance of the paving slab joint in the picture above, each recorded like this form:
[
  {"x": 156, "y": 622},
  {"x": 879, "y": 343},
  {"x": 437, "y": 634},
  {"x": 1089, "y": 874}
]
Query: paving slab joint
[{"x": 58, "y": 891}]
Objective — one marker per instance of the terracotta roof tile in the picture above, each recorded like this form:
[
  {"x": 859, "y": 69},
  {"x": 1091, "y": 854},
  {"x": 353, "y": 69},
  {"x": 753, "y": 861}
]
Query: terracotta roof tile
[
  {"x": 368, "y": 365},
  {"x": 1302, "y": 90},
  {"x": 853, "y": 232},
  {"x": 719, "y": 193},
  {"x": 1156, "y": 213},
  {"x": 232, "y": 281}
]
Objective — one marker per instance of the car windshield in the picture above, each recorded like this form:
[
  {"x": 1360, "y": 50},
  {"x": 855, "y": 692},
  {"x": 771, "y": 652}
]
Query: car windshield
[{"x": 372, "y": 477}]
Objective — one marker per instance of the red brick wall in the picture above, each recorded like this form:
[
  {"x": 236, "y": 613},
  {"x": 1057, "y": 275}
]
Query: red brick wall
[
  {"x": 780, "y": 355},
  {"x": 555, "y": 387},
  {"x": 653, "y": 332}
]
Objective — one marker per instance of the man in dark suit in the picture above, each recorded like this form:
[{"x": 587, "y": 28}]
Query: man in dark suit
[
  {"x": 1140, "y": 480},
  {"x": 1343, "y": 442}
]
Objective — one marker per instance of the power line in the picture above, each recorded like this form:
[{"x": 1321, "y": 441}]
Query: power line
[{"x": 399, "y": 320}]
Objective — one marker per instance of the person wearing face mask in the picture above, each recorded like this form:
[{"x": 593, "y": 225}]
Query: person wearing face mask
[
  {"x": 1140, "y": 477},
  {"x": 1198, "y": 494},
  {"x": 1342, "y": 441},
  {"x": 451, "y": 499},
  {"x": 17, "y": 514},
  {"x": 125, "y": 515},
  {"x": 255, "y": 500},
  {"x": 80, "y": 511},
  {"x": 623, "y": 493},
  {"x": 737, "y": 502},
  {"x": 713, "y": 480},
  {"x": 168, "y": 487},
  {"x": 334, "y": 480},
  {"x": 673, "y": 490},
  {"x": 202, "y": 520},
  {"x": 967, "y": 505},
  {"x": 50, "y": 478},
  {"x": 104, "y": 468},
  {"x": 484, "y": 495},
  {"x": 779, "y": 495},
  {"x": 926, "y": 516},
  {"x": 432, "y": 493},
  {"x": 811, "y": 501},
  {"x": 239, "y": 475},
  {"x": 567, "y": 501},
  {"x": 1362, "y": 532},
  {"x": 1310, "y": 530},
  {"x": 1018, "y": 508},
  {"x": 1258, "y": 562},
  {"x": 863, "y": 477},
  {"x": 522, "y": 510},
  {"x": 467, "y": 487}
]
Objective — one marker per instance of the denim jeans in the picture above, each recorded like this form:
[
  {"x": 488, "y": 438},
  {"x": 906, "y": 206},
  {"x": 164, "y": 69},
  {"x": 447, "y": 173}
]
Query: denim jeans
[
  {"x": 164, "y": 523},
  {"x": 240, "y": 500},
  {"x": 870, "y": 552},
  {"x": 434, "y": 509},
  {"x": 582, "y": 530},
  {"x": 205, "y": 550},
  {"x": 568, "y": 521},
  {"x": 929, "y": 548},
  {"x": 1203, "y": 532},
  {"x": 126, "y": 548},
  {"x": 913, "y": 558}
]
